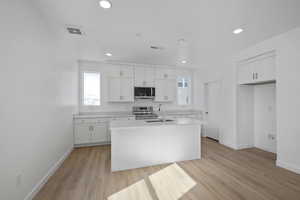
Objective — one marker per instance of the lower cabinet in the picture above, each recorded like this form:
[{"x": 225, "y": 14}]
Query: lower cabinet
[
  {"x": 91, "y": 133},
  {"x": 94, "y": 131}
]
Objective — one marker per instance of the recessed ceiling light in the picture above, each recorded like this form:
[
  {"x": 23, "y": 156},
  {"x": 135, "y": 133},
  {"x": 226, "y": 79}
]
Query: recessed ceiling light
[
  {"x": 105, "y": 4},
  {"x": 108, "y": 54},
  {"x": 183, "y": 61},
  {"x": 237, "y": 31}
]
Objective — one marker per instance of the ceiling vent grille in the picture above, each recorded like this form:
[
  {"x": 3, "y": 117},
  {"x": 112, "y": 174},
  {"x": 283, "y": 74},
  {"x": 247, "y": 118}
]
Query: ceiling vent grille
[
  {"x": 74, "y": 30},
  {"x": 157, "y": 47}
]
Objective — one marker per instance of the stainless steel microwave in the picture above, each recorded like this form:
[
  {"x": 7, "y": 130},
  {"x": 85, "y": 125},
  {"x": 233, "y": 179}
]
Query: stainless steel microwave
[{"x": 144, "y": 92}]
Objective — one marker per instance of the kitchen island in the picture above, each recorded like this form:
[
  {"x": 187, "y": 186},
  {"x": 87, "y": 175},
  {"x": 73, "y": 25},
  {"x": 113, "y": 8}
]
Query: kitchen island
[{"x": 141, "y": 143}]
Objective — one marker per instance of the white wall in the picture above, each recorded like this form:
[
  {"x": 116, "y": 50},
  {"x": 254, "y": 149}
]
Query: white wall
[
  {"x": 245, "y": 116},
  {"x": 287, "y": 47},
  {"x": 107, "y": 106},
  {"x": 265, "y": 116},
  {"x": 37, "y": 98},
  {"x": 222, "y": 70}
]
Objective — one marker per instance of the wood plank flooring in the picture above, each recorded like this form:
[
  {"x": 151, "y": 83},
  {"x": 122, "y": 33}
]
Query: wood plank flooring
[{"x": 221, "y": 174}]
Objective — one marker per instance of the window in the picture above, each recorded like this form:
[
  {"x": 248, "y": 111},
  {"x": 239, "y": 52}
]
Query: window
[
  {"x": 183, "y": 91},
  {"x": 91, "y": 89}
]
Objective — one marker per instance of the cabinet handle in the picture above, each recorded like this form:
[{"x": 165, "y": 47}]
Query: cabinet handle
[
  {"x": 256, "y": 75},
  {"x": 121, "y": 73},
  {"x": 253, "y": 77},
  {"x": 166, "y": 75},
  {"x": 91, "y": 128}
]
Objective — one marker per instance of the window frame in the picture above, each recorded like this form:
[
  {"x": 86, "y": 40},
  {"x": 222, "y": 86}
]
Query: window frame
[
  {"x": 190, "y": 86},
  {"x": 81, "y": 92}
]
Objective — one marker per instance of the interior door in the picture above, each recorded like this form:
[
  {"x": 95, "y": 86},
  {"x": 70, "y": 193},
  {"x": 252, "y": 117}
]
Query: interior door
[{"x": 212, "y": 114}]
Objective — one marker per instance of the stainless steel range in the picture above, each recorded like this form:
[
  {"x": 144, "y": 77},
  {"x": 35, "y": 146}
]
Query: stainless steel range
[{"x": 144, "y": 112}]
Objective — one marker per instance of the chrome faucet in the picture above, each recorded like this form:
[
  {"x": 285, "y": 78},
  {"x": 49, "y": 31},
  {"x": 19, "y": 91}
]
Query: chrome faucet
[{"x": 159, "y": 107}]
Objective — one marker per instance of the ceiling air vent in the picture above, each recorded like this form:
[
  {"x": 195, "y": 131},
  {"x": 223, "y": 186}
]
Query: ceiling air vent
[
  {"x": 74, "y": 30},
  {"x": 157, "y": 47}
]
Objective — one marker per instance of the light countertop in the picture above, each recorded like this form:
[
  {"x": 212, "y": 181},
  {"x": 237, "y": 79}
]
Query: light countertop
[
  {"x": 121, "y": 124},
  {"x": 103, "y": 115},
  {"x": 92, "y": 115}
]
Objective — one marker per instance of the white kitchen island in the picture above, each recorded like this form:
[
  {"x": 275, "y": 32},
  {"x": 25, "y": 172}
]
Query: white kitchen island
[{"x": 138, "y": 143}]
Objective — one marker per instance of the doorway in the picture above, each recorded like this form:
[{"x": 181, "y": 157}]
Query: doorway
[{"x": 212, "y": 109}]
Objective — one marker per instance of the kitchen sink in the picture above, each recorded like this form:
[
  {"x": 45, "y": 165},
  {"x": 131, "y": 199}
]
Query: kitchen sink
[{"x": 159, "y": 120}]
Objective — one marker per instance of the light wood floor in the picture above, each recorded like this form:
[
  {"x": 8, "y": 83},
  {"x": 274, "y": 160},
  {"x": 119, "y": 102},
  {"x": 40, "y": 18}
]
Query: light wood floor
[{"x": 222, "y": 174}]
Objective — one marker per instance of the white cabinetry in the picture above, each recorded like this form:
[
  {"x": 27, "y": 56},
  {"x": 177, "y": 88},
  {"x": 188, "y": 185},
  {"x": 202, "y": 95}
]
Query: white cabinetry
[
  {"x": 82, "y": 134},
  {"x": 120, "y": 89},
  {"x": 144, "y": 77},
  {"x": 89, "y": 132},
  {"x": 121, "y": 71},
  {"x": 257, "y": 70},
  {"x": 165, "y": 74},
  {"x": 99, "y": 134},
  {"x": 165, "y": 90},
  {"x": 94, "y": 131}
]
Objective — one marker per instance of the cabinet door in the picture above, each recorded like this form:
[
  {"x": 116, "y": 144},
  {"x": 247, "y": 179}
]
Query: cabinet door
[
  {"x": 160, "y": 90},
  {"x": 127, "y": 88},
  {"x": 99, "y": 133},
  {"x": 149, "y": 74},
  {"x": 126, "y": 72},
  {"x": 121, "y": 71},
  {"x": 164, "y": 74},
  {"x": 265, "y": 69},
  {"x": 164, "y": 90},
  {"x": 114, "y": 89},
  {"x": 245, "y": 73},
  {"x": 82, "y": 134},
  {"x": 170, "y": 87},
  {"x": 139, "y": 78}
]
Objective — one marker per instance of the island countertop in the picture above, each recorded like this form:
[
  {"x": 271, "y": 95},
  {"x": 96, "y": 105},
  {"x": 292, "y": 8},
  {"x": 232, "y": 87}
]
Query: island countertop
[{"x": 120, "y": 124}]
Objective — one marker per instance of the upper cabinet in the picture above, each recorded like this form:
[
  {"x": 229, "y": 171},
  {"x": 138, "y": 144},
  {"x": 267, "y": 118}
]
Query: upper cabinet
[
  {"x": 121, "y": 71},
  {"x": 257, "y": 70},
  {"x": 144, "y": 77},
  {"x": 121, "y": 84},
  {"x": 165, "y": 90},
  {"x": 120, "y": 89},
  {"x": 165, "y": 74}
]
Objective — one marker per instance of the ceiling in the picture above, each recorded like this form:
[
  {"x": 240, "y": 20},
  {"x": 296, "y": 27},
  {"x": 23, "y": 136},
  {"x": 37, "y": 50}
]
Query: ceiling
[{"x": 130, "y": 27}]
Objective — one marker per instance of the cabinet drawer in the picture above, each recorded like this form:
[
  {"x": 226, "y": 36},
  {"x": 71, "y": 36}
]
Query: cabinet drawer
[
  {"x": 123, "y": 118},
  {"x": 91, "y": 121}
]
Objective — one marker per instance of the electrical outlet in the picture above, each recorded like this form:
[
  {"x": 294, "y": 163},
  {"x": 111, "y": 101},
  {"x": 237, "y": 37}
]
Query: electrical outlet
[{"x": 19, "y": 180}]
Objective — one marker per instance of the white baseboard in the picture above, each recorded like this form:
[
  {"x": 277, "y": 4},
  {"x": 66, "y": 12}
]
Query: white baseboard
[
  {"x": 44, "y": 180},
  {"x": 232, "y": 146},
  {"x": 244, "y": 146},
  {"x": 288, "y": 166}
]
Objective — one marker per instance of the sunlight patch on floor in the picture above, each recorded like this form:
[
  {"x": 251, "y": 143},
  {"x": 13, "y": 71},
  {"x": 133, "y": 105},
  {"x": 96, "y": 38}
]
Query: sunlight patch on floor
[
  {"x": 171, "y": 183},
  {"x": 136, "y": 191}
]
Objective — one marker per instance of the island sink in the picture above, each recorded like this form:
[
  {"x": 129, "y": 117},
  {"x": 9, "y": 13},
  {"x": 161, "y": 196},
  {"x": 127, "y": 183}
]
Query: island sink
[{"x": 159, "y": 120}]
